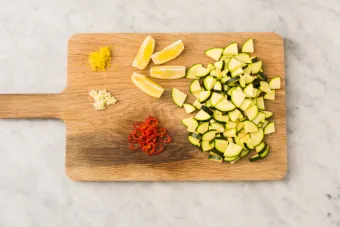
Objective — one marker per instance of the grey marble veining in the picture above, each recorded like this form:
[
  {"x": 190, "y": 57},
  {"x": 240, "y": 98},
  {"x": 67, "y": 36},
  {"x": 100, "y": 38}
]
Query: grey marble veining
[{"x": 34, "y": 191}]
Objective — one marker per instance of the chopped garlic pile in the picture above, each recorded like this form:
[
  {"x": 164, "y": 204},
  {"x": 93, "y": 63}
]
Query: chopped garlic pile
[{"x": 102, "y": 99}]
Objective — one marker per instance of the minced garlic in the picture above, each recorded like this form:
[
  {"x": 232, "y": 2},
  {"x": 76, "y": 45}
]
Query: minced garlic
[
  {"x": 100, "y": 60},
  {"x": 102, "y": 99}
]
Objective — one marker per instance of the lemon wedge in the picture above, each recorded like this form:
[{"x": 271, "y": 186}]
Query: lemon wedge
[
  {"x": 167, "y": 72},
  {"x": 144, "y": 53},
  {"x": 147, "y": 85},
  {"x": 168, "y": 53}
]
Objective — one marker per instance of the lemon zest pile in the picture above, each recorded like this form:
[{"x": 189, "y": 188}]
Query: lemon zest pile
[{"x": 100, "y": 60}]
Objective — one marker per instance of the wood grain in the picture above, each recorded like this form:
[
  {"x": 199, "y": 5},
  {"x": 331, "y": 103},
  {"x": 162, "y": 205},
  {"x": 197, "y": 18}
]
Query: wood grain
[{"x": 96, "y": 146}]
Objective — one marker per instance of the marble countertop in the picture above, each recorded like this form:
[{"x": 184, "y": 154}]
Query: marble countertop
[{"x": 34, "y": 190}]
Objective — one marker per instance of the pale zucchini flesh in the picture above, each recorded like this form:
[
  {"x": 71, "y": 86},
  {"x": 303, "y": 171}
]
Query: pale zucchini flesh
[
  {"x": 178, "y": 97},
  {"x": 214, "y": 53},
  {"x": 189, "y": 108}
]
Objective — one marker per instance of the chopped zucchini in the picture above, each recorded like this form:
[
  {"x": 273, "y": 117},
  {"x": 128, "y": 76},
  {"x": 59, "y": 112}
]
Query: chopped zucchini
[
  {"x": 210, "y": 67},
  {"x": 209, "y": 135},
  {"x": 202, "y": 128},
  {"x": 221, "y": 144},
  {"x": 249, "y": 91},
  {"x": 217, "y": 126},
  {"x": 215, "y": 98},
  {"x": 214, "y": 53},
  {"x": 224, "y": 105},
  {"x": 259, "y": 117},
  {"x": 237, "y": 97},
  {"x": 268, "y": 114},
  {"x": 261, "y": 148},
  {"x": 230, "y": 132},
  {"x": 215, "y": 158},
  {"x": 248, "y": 69},
  {"x": 221, "y": 118},
  {"x": 248, "y": 78},
  {"x": 270, "y": 128},
  {"x": 232, "y": 160},
  {"x": 249, "y": 144},
  {"x": 192, "y": 71},
  {"x": 270, "y": 96},
  {"x": 230, "y": 125},
  {"x": 233, "y": 150},
  {"x": 195, "y": 86},
  {"x": 255, "y": 158},
  {"x": 233, "y": 80},
  {"x": 257, "y": 136},
  {"x": 204, "y": 96},
  {"x": 264, "y": 86},
  {"x": 244, "y": 153},
  {"x": 256, "y": 67},
  {"x": 265, "y": 123},
  {"x": 261, "y": 76},
  {"x": 188, "y": 121},
  {"x": 237, "y": 72},
  {"x": 275, "y": 83},
  {"x": 209, "y": 82},
  {"x": 233, "y": 115},
  {"x": 202, "y": 72},
  {"x": 202, "y": 116},
  {"x": 197, "y": 94},
  {"x": 219, "y": 64},
  {"x": 248, "y": 46},
  {"x": 230, "y": 50},
  {"x": 218, "y": 86},
  {"x": 243, "y": 57},
  {"x": 265, "y": 153},
  {"x": 178, "y": 97},
  {"x": 194, "y": 141},
  {"x": 251, "y": 112},
  {"x": 234, "y": 64},
  {"x": 216, "y": 152},
  {"x": 207, "y": 145},
  {"x": 192, "y": 126},
  {"x": 260, "y": 103},
  {"x": 189, "y": 108},
  {"x": 250, "y": 127},
  {"x": 197, "y": 104},
  {"x": 245, "y": 104},
  {"x": 239, "y": 126}
]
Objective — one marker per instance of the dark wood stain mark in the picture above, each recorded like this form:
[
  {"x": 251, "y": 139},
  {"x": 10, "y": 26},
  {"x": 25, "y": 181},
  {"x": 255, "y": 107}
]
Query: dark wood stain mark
[{"x": 106, "y": 148}]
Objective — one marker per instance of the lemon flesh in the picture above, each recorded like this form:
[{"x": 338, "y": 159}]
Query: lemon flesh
[
  {"x": 146, "y": 85},
  {"x": 144, "y": 53},
  {"x": 168, "y": 53},
  {"x": 167, "y": 72}
]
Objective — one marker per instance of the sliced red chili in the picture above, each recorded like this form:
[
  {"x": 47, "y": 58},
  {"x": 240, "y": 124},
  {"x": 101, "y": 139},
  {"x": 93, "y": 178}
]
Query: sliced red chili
[
  {"x": 131, "y": 139},
  {"x": 137, "y": 124},
  {"x": 161, "y": 131},
  {"x": 143, "y": 126},
  {"x": 149, "y": 148},
  {"x": 152, "y": 121},
  {"x": 151, "y": 132},
  {"x": 142, "y": 141},
  {"x": 148, "y": 137},
  {"x": 138, "y": 134},
  {"x": 151, "y": 140},
  {"x": 165, "y": 138},
  {"x": 135, "y": 146},
  {"x": 158, "y": 148}
]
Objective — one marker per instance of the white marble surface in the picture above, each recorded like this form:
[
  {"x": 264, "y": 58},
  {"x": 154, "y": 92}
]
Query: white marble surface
[{"x": 34, "y": 191}]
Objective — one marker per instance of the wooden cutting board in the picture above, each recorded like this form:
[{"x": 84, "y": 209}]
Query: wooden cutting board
[{"x": 96, "y": 141}]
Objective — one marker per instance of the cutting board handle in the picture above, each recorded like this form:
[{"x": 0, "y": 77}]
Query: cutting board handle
[{"x": 30, "y": 106}]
